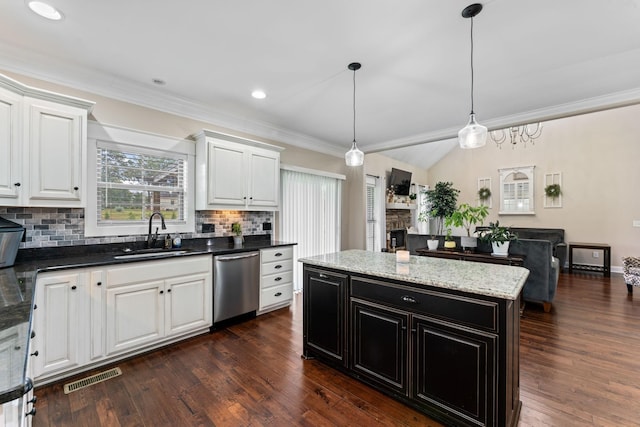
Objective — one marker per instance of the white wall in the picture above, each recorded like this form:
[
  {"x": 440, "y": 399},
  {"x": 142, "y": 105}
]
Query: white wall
[{"x": 597, "y": 154}]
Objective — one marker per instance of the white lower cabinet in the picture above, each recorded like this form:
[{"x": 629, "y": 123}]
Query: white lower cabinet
[
  {"x": 276, "y": 278},
  {"x": 135, "y": 316},
  {"x": 93, "y": 316},
  {"x": 59, "y": 321}
]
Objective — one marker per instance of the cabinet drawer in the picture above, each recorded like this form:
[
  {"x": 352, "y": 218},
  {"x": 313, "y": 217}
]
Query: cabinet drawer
[
  {"x": 458, "y": 309},
  {"x": 277, "y": 254},
  {"x": 276, "y": 295},
  {"x": 276, "y": 279},
  {"x": 276, "y": 267}
]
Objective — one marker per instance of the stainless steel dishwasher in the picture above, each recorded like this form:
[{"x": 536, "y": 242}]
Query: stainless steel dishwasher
[{"x": 236, "y": 284}]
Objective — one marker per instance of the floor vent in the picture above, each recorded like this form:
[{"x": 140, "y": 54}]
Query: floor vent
[{"x": 93, "y": 379}]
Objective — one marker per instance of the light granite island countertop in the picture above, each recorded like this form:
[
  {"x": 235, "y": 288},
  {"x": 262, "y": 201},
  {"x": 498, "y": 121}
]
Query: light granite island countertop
[
  {"x": 496, "y": 280},
  {"x": 440, "y": 335}
]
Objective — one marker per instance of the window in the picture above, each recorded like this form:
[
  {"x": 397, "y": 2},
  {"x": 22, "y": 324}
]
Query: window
[
  {"x": 310, "y": 214},
  {"x": 516, "y": 191},
  {"x": 133, "y": 180},
  {"x": 375, "y": 214}
]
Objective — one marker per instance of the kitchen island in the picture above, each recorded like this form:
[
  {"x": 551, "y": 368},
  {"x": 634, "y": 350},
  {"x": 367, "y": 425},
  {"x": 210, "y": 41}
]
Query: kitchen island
[{"x": 439, "y": 335}]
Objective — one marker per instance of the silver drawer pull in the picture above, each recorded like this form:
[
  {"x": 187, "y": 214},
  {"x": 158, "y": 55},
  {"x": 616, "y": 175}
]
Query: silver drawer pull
[
  {"x": 409, "y": 299},
  {"x": 278, "y": 294},
  {"x": 323, "y": 276},
  {"x": 277, "y": 279}
]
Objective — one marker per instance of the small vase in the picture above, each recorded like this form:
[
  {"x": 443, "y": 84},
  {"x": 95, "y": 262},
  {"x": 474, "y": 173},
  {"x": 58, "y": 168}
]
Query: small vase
[
  {"x": 237, "y": 240},
  {"x": 500, "y": 249}
]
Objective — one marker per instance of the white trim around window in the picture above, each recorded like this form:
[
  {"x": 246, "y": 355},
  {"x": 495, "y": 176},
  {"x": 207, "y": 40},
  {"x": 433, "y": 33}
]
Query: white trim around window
[{"x": 99, "y": 135}]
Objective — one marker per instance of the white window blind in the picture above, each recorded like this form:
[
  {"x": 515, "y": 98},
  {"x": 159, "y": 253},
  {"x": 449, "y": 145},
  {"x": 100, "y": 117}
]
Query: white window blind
[
  {"x": 132, "y": 183},
  {"x": 310, "y": 215},
  {"x": 375, "y": 214}
]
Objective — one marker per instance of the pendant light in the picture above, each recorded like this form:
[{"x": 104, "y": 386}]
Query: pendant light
[
  {"x": 473, "y": 135},
  {"x": 354, "y": 157}
]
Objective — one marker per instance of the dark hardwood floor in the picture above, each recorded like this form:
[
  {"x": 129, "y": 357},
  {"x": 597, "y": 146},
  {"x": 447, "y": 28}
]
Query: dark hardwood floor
[{"x": 580, "y": 366}]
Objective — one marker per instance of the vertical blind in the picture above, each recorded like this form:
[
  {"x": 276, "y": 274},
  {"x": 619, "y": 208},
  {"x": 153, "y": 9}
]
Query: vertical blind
[
  {"x": 310, "y": 216},
  {"x": 376, "y": 227}
]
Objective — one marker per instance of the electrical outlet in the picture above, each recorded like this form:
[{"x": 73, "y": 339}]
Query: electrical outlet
[
  {"x": 208, "y": 228},
  {"x": 596, "y": 254}
]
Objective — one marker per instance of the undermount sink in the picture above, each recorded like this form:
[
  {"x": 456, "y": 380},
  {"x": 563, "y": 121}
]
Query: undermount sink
[{"x": 159, "y": 254}]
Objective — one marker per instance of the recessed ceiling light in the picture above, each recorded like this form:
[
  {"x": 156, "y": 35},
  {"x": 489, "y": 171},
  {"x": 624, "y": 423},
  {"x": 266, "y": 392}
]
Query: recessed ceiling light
[
  {"x": 45, "y": 10},
  {"x": 258, "y": 94}
]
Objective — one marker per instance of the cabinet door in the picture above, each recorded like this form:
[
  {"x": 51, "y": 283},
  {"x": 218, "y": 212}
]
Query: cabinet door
[
  {"x": 324, "y": 315},
  {"x": 97, "y": 292},
  {"x": 135, "y": 315},
  {"x": 227, "y": 175},
  {"x": 58, "y": 323},
  {"x": 264, "y": 179},
  {"x": 188, "y": 303},
  {"x": 10, "y": 172},
  {"x": 448, "y": 359},
  {"x": 55, "y": 134},
  {"x": 379, "y": 345}
]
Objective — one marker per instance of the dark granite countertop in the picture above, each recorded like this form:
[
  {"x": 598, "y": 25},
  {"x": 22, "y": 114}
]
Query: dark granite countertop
[{"x": 17, "y": 287}]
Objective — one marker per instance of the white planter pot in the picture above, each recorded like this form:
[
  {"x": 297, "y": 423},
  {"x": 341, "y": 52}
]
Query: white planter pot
[
  {"x": 237, "y": 240},
  {"x": 500, "y": 249},
  {"x": 468, "y": 242},
  {"x": 432, "y": 244}
]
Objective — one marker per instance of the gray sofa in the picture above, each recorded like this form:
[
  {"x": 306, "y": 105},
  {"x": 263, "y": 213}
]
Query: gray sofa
[
  {"x": 543, "y": 266},
  {"x": 554, "y": 235}
]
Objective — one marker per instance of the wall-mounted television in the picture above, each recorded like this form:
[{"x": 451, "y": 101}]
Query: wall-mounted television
[{"x": 400, "y": 181}]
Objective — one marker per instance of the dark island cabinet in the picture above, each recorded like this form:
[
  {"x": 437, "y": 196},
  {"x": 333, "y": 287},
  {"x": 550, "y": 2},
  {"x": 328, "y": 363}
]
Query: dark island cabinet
[
  {"x": 449, "y": 354},
  {"x": 454, "y": 369},
  {"x": 379, "y": 345},
  {"x": 324, "y": 311}
]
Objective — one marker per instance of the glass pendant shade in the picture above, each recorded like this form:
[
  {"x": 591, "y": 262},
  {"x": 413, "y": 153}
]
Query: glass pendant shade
[
  {"x": 355, "y": 157},
  {"x": 473, "y": 135}
]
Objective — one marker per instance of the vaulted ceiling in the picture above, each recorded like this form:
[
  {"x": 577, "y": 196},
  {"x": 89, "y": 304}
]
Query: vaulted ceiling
[{"x": 533, "y": 60}]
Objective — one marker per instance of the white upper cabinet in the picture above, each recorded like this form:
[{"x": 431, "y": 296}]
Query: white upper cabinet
[
  {"x": 10, "y": 125},
  {"x": 236, "y": 173},
  {"x": 43, "y": 143}
]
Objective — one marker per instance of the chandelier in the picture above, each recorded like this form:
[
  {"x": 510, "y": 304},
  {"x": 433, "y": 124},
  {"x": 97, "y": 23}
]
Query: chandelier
[{"x": 515, "y": 134}]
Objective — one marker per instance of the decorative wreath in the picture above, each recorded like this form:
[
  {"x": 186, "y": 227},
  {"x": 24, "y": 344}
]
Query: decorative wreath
[
  {"x": 552, "y": 190},
  {"x": 484, "y": 193}
]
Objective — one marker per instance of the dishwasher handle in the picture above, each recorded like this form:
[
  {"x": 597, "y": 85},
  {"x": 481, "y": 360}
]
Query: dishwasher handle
[{"x": 236, "y": 257}]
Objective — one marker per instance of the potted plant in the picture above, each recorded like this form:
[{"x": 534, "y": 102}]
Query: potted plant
[
  {"x": 499, "y": 237},
  {"x": 466, "y": 216},
  {"x": 423, "y": 217},
  {"x": 442, "y": 200},
  {"x": 236, "y": 228},
  {"x": 449, "y": 243}
]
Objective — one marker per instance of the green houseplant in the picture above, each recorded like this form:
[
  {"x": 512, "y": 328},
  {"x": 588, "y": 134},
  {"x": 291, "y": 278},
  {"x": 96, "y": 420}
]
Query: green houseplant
[
  {"x": 236, "y": 228},
  {"x": 442, "y": 201},
  {"x": 466, "y": 216},
  {"x": 499, "y": 237}
]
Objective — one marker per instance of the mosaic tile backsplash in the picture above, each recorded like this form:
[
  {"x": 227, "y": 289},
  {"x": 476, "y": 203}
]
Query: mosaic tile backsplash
[{"x": 50, "y": 227}]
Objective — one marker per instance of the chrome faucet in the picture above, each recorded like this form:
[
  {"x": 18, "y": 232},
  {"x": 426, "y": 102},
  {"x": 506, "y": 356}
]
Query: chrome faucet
[{"x": 151, "y": 239}]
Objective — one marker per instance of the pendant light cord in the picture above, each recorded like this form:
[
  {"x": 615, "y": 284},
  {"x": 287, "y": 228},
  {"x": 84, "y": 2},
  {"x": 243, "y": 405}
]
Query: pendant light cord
[
  {"x": 354, "y": 105},
  {"x": 472, "y": 65}
]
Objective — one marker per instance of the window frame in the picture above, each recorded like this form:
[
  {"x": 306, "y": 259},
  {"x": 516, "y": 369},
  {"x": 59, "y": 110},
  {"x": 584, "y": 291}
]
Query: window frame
[
  {"x": 528, "y": 171},
  {"x": 139, "y": 141}
]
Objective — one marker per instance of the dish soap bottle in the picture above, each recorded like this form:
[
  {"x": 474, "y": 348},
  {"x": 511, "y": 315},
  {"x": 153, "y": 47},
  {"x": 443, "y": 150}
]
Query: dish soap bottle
[{"x": 177, "y": 241}]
